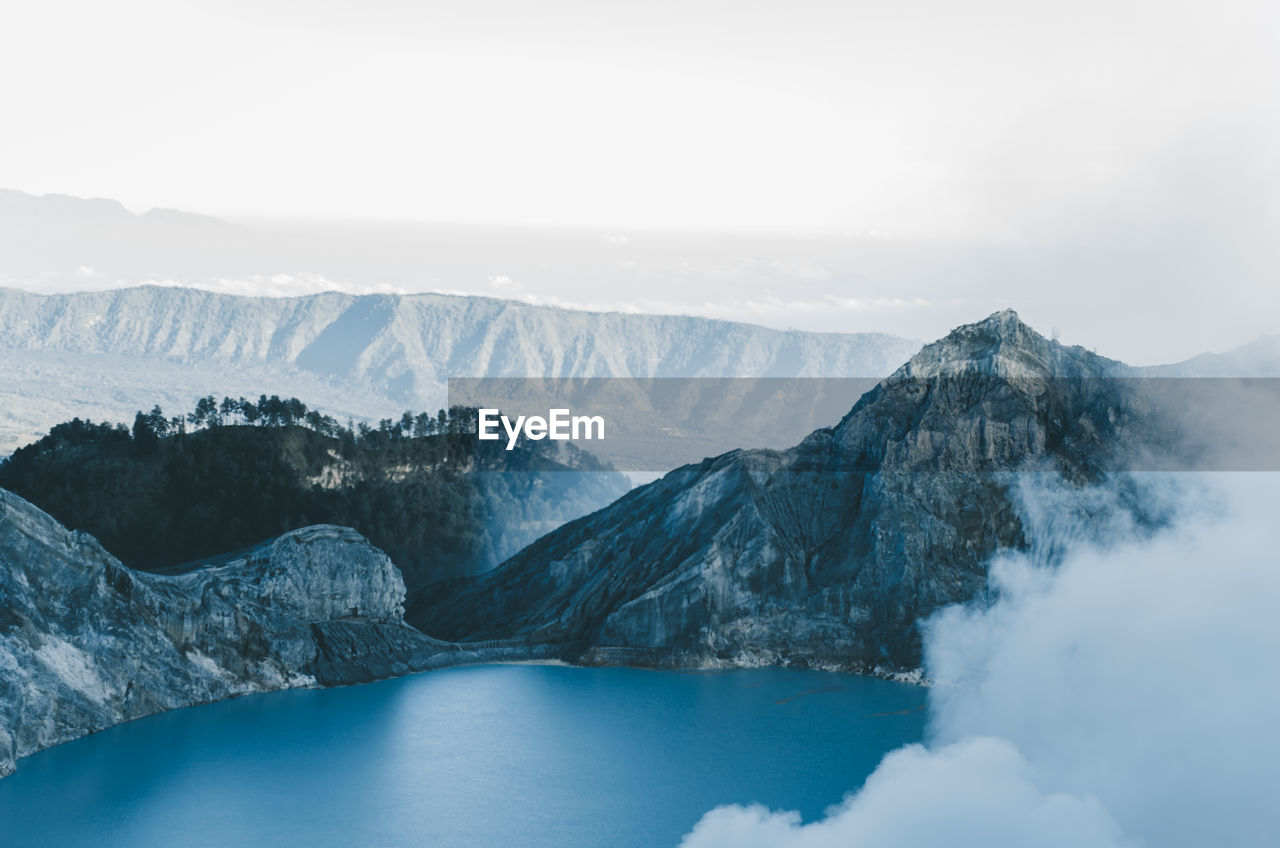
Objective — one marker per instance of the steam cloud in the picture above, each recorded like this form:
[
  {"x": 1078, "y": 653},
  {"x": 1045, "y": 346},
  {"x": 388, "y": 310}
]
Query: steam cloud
[{"x": 1118, "y": 692}]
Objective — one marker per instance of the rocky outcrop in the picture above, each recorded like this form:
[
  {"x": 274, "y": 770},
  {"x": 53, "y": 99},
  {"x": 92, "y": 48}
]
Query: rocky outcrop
[
  {"x": 86, "y": 643},
  {"x": 827, "y": 554}
]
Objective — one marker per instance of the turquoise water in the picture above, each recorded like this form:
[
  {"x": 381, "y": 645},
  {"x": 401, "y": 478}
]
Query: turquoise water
[{"x": 482, "y": 756}]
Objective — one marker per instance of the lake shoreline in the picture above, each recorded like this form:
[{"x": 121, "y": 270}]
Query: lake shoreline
[
  {"x": 569, "y": 756},
  {"x": 915, "y": 677}
]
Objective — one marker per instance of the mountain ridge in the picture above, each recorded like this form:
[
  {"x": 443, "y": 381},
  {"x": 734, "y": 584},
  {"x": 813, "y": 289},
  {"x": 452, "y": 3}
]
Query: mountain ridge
[
  {"x": 18, "y": 207},
  {"x": 363, "y": 356},
  {"x": 1258, "y": 358},
  {"x": 827, "y": 553}
]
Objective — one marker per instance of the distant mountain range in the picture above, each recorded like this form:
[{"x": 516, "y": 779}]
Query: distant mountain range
[
  {"x": 104, "y": 355},
  {"x": 62, "y": 238},
  {"x": 1258, "y": 358},
  {"x": 29, "y": 214}
]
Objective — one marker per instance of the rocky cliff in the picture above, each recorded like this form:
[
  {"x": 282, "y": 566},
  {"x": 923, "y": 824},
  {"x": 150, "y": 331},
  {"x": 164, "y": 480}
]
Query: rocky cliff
[
  {"x": 826, "y": 554},
  {"x": 86, "y": 643}
]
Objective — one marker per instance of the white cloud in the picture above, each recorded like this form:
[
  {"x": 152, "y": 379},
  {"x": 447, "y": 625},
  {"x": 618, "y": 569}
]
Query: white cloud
[
  {"x": 879, "y": 302},
  {"x": 737, "y": 269},
  {"x": 1123, "y": 697},
  {"x": 767, "y": 310},
  {"x": 503, "y": 284},
  {"x": 978, "y": 793},
  {"x": 275, "y": 285}
]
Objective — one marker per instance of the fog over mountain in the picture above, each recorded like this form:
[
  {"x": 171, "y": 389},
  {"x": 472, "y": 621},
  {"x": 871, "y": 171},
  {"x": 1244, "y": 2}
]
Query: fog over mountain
[{"x": 1108, "y": 699}]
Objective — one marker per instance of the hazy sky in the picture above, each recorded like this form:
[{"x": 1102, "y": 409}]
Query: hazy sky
[
  {"x": 924, "y": 116},
  {"x": 1103, "y": 165}
]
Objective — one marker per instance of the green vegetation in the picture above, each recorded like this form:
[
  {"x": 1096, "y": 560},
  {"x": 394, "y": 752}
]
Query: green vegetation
[{"x": 173, "y": 490}]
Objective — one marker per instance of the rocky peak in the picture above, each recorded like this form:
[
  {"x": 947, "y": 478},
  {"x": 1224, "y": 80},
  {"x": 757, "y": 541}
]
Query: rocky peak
[
  {"x": 992, "y": 395},
  {"x": 1001, "y": 345},
  {"x": 828, "y": 553}
]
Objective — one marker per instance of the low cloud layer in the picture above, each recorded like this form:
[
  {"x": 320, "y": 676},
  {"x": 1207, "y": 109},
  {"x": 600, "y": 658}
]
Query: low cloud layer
[{"x": 1117, "y": 692}]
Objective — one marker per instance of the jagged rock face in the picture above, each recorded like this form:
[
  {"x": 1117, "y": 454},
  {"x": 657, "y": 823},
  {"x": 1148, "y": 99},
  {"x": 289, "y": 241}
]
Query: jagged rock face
[
  {"x": 828, "y": 553},
  {"x": 86, "y": 642}
]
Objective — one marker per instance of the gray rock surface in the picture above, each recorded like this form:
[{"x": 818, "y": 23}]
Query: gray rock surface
[
  {"x": 86, "y": 643},
  {"x": 826, "y": 554}
]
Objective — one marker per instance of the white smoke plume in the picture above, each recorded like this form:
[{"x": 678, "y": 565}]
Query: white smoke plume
[{"x": 1117, "y": 692}]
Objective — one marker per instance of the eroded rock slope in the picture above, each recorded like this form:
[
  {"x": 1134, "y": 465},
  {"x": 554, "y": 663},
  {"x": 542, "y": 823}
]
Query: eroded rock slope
[
  {"x": 828, "y": 553},
  {"x": 86, "y": 643}
]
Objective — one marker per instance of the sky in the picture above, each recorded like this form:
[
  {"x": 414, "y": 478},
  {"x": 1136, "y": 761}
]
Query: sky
[
  {"x": 1115, "y": 154},
  {"x": 923, "y": 118}
]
